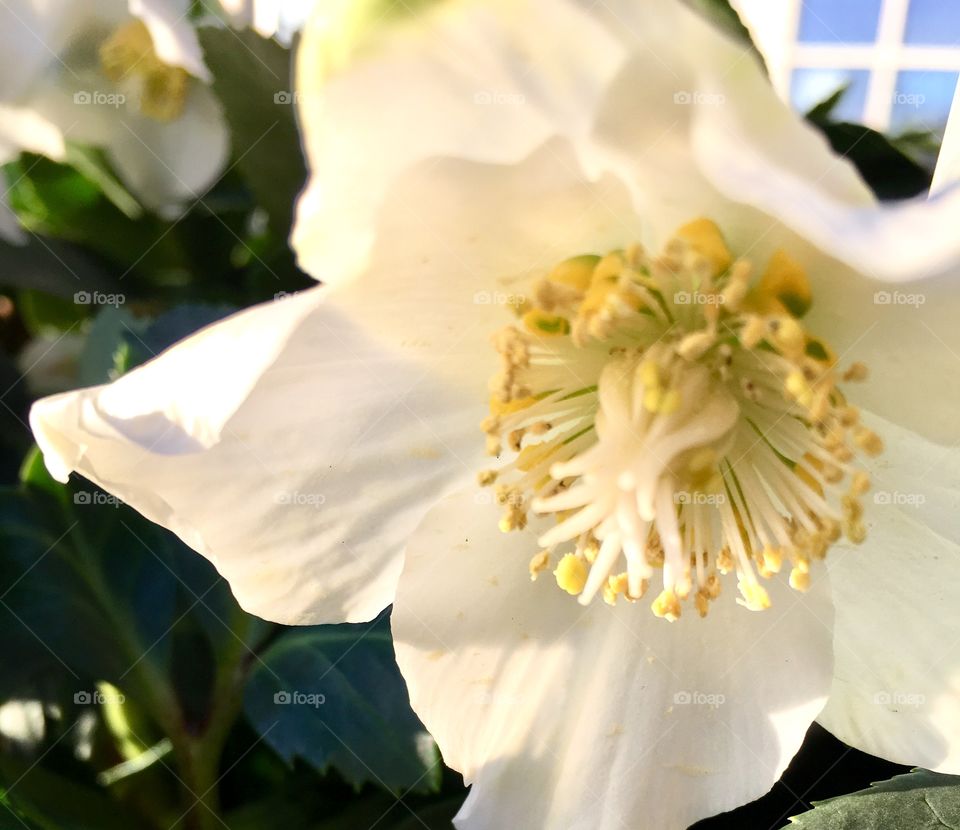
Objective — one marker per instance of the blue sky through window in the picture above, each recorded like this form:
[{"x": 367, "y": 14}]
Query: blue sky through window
[{"x": 839, "y": 21}]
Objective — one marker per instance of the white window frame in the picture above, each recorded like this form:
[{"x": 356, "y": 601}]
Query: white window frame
[{"x": 776, "y": 23}]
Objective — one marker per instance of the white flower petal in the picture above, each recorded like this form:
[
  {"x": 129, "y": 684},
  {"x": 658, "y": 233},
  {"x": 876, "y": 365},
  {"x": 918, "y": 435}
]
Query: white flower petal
[
  {"x": 280, "y": 445},
  {"x": 947, "y": 171},
  {"x": 270, "y": 18},
  {"x": 167, "y": 163},
  {"x": 174, "y": 38},
  {"x": 573, "y": 718},
  {"x": 473, "y": 79},
  {"x": 32, "y": 36},
  {"x": 896, "y": 693},
  {"x": 23, "y": 128},
  {"x": 371, "y": 402},
  {"x": 767, "y": 179}
]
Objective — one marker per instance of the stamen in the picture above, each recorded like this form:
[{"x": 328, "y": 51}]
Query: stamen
[
  {"x": 679, "y": 423},
  {"x": 128, "y": 58}
]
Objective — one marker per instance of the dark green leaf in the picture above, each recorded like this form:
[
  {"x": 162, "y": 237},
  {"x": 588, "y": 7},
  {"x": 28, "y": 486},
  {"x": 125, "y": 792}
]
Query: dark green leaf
[
  {"x": 42, "y": 799},
  {"x": 888, "y": 172},
  {"x": 333, "y": 696},
  {"x": 252, "y": 79},
  {"x": 823, "y": 111},
  {"x": 919, "y": 800}
]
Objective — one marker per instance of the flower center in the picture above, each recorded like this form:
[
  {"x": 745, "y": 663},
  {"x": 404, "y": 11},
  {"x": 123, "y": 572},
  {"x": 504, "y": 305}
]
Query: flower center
[
  {"x": 679, "y": 423},
  {"x": 128, "y": 58}
]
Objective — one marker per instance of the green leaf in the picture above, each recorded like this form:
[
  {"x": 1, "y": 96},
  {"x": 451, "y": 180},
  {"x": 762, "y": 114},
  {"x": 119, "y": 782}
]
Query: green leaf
[
  {"x": 251, "y": 77},
  {"x": 725, "y": 18},
  {"x": 888, "y": 172},
  {"x": 42, "y": 799},
  {"x": 333, "y": 696},
  {"x": 823, "y": 111},
  {"x": 919, "y": 800},
  {"x": 107, "y": 344},
  {"x": 93, "y": 166}
]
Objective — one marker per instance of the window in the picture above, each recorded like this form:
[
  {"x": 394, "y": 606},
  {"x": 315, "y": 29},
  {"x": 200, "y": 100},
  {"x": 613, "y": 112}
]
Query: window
[{"x": 898, "y": 59}]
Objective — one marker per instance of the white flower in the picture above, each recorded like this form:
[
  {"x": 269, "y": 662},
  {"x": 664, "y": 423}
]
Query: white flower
[
  {"x": 665, "y": 400},
  {"x": 271, "y": 18},
  {"x": 127, "y": 78}
]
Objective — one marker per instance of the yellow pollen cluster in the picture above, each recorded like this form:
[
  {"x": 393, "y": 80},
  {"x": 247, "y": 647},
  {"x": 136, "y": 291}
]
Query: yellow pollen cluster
[
  {"x": 679, "y": 423},
  {"x": 128, "y": 57}
]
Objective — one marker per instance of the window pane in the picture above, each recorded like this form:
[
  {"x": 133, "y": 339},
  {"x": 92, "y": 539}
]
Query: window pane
[
  {"x": 922, "y": 100},
  {"x": 808, "y": 87},
  {"x": 839, "y": 21},
  {"x": 935, "y": 22}
]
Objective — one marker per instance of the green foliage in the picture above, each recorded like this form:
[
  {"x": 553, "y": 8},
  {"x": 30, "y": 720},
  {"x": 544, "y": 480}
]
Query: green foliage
[
  {"x": 333, "y": 695},
  {"x": 252, "y": 80},
  {"x": 919, "y": 800},
  {"x": 893, "y": 170}
]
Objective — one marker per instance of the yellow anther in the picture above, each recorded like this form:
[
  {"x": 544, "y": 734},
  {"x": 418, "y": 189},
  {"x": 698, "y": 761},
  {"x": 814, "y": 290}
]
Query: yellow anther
[
  {"x": 671, "y": 402},
  {"x": 575, "y": 272},
  {"x": 608, "y": 269},
  {"x": 540, "y": 322},
  {"x": 571, "y": 574},
  {"x": 649, "y": 373},
  {"x": 868, "y": 441},
  {"x": 856, "y": 372},
  {"x": 798, "y": 388},
  {"x": 753, "y": 331},
  {"x": 652, "y": 398},
  {"x": 787, "y": 334},
  {"x": 725, "y": 561},
  {"x": 771, "y": 560},
  {"x": 128, "y": 55},
  {"x": 712, "y": 586},
  {"x": 783, "y": 288},
  {"x": 486, "y": 477},
  {"x": 848, "y": 416},
  {"x": 590, "y": 549},
  {"x": 539, "y": 563},
  {"x": 705, "y": 238},
  {"x": 702, "y": 601},
  {"x": 666, "y": 605},
  {"x": 855, "y": 531},
  {"x": 800, "y": 577},
  {"x": 852, "y": 507},
  {"x": 614, "y": 587},
  {"x": 755, "y": 596},
  {"x": 860, "y": 483}
]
